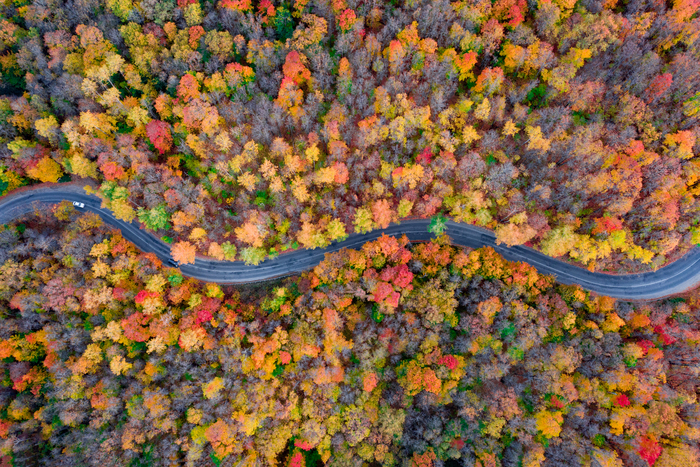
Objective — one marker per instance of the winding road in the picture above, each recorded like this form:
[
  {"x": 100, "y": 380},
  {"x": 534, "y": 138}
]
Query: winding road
[{"x": 677, "y": 277}]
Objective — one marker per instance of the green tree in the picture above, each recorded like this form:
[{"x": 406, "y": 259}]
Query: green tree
[{"x": 156, "y": 218}]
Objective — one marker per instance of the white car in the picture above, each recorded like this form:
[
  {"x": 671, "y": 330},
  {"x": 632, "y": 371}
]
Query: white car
[{"x": 79, "y": 204}]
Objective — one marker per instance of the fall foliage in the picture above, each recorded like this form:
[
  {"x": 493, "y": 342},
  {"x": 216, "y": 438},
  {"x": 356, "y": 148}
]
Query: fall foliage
[
  {"x": 241, "y": 129},
  {"x": 394, "y": 353},
  {"x": 265, "y": 122}
]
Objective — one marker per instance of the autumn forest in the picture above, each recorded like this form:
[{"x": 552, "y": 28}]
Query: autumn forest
[{"x": 241, "y": 130}]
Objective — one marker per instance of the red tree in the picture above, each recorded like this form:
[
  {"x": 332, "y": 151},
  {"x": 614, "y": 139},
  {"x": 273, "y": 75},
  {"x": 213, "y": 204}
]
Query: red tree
[{"x": 159, "y": 134}]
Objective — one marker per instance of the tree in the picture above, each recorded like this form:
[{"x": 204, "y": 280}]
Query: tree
[
  {"x": 216, "y": 251},
  {"x": 549, "y": 423},
  {"x": 45, "y": 170},
  {"x": 252, "y": 232},
  {"x": 489, "y": 81},
  {"x": 336, "y": 230},
  {"x": 464, "y": 65},
  {"x": 159, "y": 134},
  {"x": 188, "y": 89},
  {"x": 649, "y": 449},
  {"x": 295, "y": 70},
  {"x": 514, "y": 232},
  {"x": 252, "y": 255},
  {"x": 112, "y": 171},
  {"x": 82, "y": 166},
  {"x": 559, "y": 241},
  {"x": 364, "y": 220},
  {"x": 382, "y": 213},
  {"x": 437, "y": 225},
  {"x": 290, "y": 98},
  {"x": 156, "y": 218},
  {"x": 536, "y": 139},
  {"x": 310, "y": 236},
  {"x": 183, "y": 252}
]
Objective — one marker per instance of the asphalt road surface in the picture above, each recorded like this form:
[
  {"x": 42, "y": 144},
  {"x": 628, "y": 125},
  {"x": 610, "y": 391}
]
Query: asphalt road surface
[{"x": 677, "y": 277}]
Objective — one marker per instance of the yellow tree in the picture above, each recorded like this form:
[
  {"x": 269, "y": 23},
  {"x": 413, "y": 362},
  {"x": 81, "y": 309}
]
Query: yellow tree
[
  {"x": 363, "y": 220},
  {"x": 46, "y": 170},
  {"x": 516, "y": 232},
  {"x": 536, "y": 139}
]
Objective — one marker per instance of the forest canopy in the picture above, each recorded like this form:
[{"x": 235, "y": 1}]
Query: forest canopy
[
  {"x": 241, "y": 129},
  {"x": 232, "y": 127},
  {"x": 394, "y": 354}
]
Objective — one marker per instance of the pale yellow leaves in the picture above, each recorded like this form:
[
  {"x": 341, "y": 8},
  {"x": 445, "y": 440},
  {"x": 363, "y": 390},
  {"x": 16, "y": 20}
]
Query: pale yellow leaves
[
  {"x": 119, "y": 365},
  {"x": 310, "y": 236},
  {"x": 494, "y": 427},
  {"x": 276, "y": 185},
  {"x": 93, "y": 353},
  {"x": 82, "y": 166},
  {"x": 483, "y": 110},
  {"x": 223, "y": 142},
  {"x": 181, "y": 220},
  {"x": 250, "y": 153},
  {"x": 510, "y": 129},
  {"x": 111, "y": 65},
  {"x": 559, "y": 241},
  {"x": 97, "y": 122},
  {"x": 335, "y": 229},
  {"x": 316, "y": 30},
  {"x": 110, "y": 98},
  {"x": 156, "y": 283},
  {"x": 94, "y": 299},
  {"x": 268, "y": 169},
  {"x": 194, "y": 416},
  {"x": 46, "y": 127},
  {"x": 410, "y": 174},
  {"x": 405, "y": 207},
  {"x": 469, "y": 135},
  {"x": 71, "y": 130},
  {"x": 514, "y": 234},
  {"x": 325, "y": 175},
  {"x": 156, "y": 344},
  {"x": 196, "y": 144},
  {"x": 536, "y": 139},
  {"x": 620, "y": 416},
  {"x": 114, "y": 331},
  {"x": 299, "y": 189},
  {"x": 534, "y": 456},
  {"x": 198, "y": 234},
  {"x": 137, "y": 116},
  {"x": 100, "y": 269},
  {"x": 312, "y": 153},
  {"x": 192, "y": 339},
  {"x": 608, "y": 458}
]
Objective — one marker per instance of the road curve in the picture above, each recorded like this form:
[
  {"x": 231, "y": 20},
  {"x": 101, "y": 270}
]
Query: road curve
[{"x": 677, "y": 277}]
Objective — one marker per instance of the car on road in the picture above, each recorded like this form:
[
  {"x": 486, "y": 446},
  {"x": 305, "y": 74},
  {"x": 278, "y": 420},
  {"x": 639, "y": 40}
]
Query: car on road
[
  {"x": 79, "y": 205},
  {"x": 173, "y": 264}
]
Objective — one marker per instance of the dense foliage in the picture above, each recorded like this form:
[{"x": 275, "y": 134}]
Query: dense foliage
[
  {"x": 392, "y": 355},
  {"x": 232, "y": 127}
]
